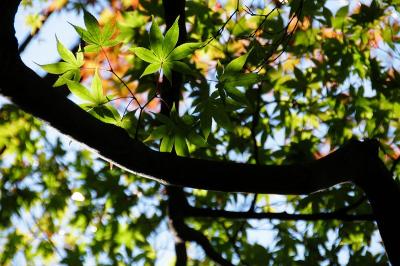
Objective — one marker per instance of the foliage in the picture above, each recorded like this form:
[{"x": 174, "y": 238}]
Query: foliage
[{"x": 264, "y": 83}]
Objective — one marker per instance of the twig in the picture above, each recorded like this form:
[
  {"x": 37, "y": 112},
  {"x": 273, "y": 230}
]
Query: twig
[
  {"x": 211, "y": 213},
  {"x": 119, "y": 78}
]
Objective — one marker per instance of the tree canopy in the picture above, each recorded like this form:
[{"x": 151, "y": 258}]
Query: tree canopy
[{"x": 225, "y": 132}]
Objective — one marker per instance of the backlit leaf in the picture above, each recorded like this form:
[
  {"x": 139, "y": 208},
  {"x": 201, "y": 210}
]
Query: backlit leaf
[
  {"x": 66, "y": 54},
  {"x": 57, "y": 68},
  {"x": 145, "y": 54},
  {"x": 156, "y": 39},
  {"x": 167, "y": 143},
  {"x": 181, "y": 148},
  {"x": 237, "y": 64},
  {"x": 183, "y": 51},
  {"x": 171, "y": 38},
  {"x": 150, "y": 69},
  {"x": 92, "y": 25},
  {"x": 80, "y": 91}
]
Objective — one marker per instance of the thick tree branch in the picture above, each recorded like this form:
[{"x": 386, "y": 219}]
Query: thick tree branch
[
  {"x": 384, "y": 196},
  {"x": 28, "y": 90},
  {"x": 176, "y": 218}
]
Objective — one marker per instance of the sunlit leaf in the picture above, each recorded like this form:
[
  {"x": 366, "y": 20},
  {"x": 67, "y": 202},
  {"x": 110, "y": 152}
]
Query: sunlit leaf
[
  {"x": 145, "y": 54},
  {"x": 167, "y": 143},
  {"x": 80, "y": 91},
  {"x": 237, "y": 64},
  {"x": 171, "y": 38},
  {"x": 150, "y": 69},
  {"x": 167, "y": 70},
  {"x": 181, "y": 67},
  {"x": 57, "y": 68},
  {"x": 66, "y": 54},
  {"x": 183, "y": 51},
  {"x": 181, "y": 148},
  {"x": 156, "y": 38},
  {"x": 97, "y": 89}
]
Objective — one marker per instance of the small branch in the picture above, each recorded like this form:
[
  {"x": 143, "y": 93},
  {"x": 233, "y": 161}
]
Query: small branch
[
  {"x": 177, "y": 206},
  {"x": 119, "y": 78},
  {"x": 126, "y": 108},
  {"x": 221, "y": 29},
  {"x": 232, "y": 240},
  {"x": 283, "y": 40},
  {"x": 265, "y": 17},
  {"x": 211, "y": 213},
  {"x": 46, "y": 237},
  {"x": 352, "y": 206},
  {"x": 190, "y": 234}
]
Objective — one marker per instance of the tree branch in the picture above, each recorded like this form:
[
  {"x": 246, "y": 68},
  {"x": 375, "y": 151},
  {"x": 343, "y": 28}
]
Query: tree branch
[
  {"x": 384, "y": 196},
  {"x": 211, "y": 213},
  {"x": 27, "y": 89},
  {"x": 176, "y": 205}
]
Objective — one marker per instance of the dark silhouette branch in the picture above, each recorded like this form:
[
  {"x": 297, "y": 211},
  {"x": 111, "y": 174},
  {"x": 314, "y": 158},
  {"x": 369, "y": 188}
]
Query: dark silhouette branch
[
  {"x": 176, "y": 222},
  {"x": 211, "y": 213},
  {"x": 383, "y": 193},
  {"x": 189, "y": 234},
  {"x": 232, "y": 240},
  {"x": 182, "y": 232},
  {"x": 27, "y": 89},
  {"x": 352, "y": 206}
]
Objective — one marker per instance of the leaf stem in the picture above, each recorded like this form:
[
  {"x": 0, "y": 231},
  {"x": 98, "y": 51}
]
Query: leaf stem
[{"x": 119, "y": 78}]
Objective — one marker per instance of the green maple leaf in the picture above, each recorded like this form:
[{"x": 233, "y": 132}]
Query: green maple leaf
[
  {"x": 176, "y": 133},
  {"x": 94, "y": 95},
  {"x": 94, "y": 100},
  {"x": 163, "y": 56},
  {"x": 229, "y": 78},
  {"x": 95, "y": 36},
  {"x": 69, "y": 69}
]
